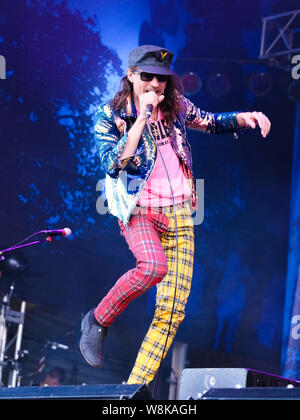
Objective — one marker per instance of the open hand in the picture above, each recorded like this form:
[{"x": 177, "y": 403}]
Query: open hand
[{"x": 252, "y": 119}]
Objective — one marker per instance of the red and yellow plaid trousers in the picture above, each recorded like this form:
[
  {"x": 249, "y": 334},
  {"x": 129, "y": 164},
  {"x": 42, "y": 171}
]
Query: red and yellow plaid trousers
[{"x": 151, "y": 237}]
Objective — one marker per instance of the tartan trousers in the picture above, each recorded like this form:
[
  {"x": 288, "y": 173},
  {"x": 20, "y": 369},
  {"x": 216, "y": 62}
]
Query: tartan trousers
[{"x": 151, "y": 237}]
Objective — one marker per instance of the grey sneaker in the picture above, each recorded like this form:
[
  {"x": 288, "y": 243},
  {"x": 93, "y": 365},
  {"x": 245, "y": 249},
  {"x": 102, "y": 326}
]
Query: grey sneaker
[{"x": 92, "y": 339}]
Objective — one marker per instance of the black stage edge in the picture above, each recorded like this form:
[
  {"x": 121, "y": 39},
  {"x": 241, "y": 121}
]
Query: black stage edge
[
  {"x": 195, "y": 385},
  {"x": 252, "y": 394},
  {"x": 77, "y": 392}
]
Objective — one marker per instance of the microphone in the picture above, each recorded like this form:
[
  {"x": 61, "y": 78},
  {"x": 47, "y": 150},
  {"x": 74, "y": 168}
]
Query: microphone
[
  {"x": 149, "y": 111},
  {"x": 58, "y": 232}
]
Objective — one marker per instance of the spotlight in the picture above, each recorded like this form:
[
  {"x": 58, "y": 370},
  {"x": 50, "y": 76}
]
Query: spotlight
[
  {"x": 259, "y": 83},
  {"x": 218, "y": 84},
  {"x": 294, "y": 90},
  {"x": 191, "y": 83}
]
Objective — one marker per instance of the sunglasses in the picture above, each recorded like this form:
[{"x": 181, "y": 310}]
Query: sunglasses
[{"x": 147, "y": 77}]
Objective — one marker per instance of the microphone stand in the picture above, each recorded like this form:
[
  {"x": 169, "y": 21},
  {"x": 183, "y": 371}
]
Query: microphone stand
[
  {"x": 9, "y": 316},
  {"x": 13, "y": 248}
]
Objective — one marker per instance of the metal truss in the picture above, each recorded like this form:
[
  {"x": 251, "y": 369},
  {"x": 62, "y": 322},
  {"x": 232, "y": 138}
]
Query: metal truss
[{"x": 280, "y": 39}]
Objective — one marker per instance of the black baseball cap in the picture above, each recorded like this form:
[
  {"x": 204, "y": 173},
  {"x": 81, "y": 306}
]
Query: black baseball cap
[{"x": 152, "y": 59}]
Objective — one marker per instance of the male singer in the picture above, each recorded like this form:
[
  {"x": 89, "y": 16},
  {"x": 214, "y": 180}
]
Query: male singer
[{"x": 139, "y": 194}]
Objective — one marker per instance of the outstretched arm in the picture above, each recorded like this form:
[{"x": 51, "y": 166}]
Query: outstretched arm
[{"x": 225, "y": 121}]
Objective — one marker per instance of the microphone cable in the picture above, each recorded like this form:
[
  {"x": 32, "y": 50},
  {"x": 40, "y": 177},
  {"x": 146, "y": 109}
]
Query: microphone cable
[{"x": 176, "y": 233}]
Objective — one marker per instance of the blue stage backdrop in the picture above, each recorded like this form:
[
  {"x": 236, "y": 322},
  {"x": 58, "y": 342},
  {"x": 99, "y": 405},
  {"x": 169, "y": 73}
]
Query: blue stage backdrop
[
  {"x": 63, "y": 58},
  {"x": 291, "y": 327}
]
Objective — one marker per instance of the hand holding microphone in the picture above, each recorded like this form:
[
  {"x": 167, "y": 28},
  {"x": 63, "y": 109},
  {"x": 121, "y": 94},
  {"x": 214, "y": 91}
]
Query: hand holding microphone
[
  {"x": 135, "y": 132},
  {"x": 149, "y": 102}
]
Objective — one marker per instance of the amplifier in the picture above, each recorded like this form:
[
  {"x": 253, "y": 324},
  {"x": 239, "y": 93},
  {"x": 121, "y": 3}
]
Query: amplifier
[{"x": 194, "y": 383}]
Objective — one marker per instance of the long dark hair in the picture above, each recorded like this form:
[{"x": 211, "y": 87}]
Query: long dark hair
[{"x": 170, "y": 106}]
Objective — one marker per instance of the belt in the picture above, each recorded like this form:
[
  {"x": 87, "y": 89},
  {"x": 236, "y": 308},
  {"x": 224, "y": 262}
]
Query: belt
[{"x": 163, "y": 209}]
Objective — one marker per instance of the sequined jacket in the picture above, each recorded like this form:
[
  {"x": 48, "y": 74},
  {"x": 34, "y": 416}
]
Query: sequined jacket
[{"x": 126, "y": 178}]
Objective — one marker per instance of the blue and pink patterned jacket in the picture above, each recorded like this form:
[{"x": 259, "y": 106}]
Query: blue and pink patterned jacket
[{"x": 126, "y": 178}]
